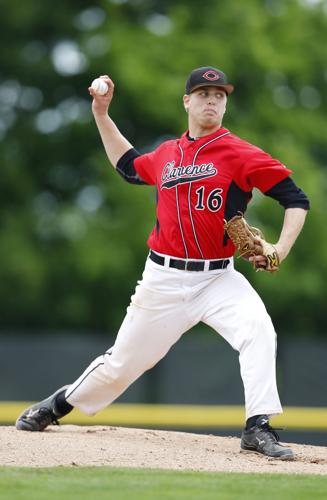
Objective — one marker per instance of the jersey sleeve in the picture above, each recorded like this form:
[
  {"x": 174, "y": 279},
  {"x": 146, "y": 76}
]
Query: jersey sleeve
[
  {"x": 289, "y": 195},
  {"x": 125, "y": 167},
  {"x": 145, "y": 167},
  {"x": 261, "y": 171}
]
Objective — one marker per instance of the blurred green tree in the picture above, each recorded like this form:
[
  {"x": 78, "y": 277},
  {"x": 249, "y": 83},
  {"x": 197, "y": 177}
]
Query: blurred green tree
[{"x": 72, "y": 240}]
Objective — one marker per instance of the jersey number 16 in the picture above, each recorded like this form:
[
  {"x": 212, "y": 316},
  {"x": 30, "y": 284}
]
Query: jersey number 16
[{"x": 214, "y": 199}]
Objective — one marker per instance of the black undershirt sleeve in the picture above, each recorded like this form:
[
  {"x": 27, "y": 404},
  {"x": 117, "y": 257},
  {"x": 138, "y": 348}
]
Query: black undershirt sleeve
[
  {"x": 125, "y": 167},
  {"x": 289, "y": 195}
]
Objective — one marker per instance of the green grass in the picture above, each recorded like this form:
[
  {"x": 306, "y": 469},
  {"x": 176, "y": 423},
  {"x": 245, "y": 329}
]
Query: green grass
[{"x": 96, "y": 483}]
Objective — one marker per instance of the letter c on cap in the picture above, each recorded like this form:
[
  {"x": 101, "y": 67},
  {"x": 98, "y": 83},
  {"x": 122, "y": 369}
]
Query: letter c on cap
[{"x": 211, "y": 75}]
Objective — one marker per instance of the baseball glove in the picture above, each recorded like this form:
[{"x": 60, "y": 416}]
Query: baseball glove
[{"x": 250, "y": 241}]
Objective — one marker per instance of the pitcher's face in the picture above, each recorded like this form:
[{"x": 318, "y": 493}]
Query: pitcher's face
[{"x": 206, "y": 107}]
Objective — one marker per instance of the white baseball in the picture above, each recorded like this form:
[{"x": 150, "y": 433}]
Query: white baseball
[{"x": 99, "y": 86}]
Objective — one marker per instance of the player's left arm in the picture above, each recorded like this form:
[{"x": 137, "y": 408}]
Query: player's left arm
[
  {"x": 296, "y": 205},
  {"x": 293, "y": 222}
]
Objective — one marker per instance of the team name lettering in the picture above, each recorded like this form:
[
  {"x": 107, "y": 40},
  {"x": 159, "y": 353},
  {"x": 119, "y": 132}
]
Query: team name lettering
[{"x": 172, "y": 175}]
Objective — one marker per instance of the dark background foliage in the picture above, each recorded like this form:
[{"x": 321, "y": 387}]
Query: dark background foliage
[{"x": 72, "y": 239}]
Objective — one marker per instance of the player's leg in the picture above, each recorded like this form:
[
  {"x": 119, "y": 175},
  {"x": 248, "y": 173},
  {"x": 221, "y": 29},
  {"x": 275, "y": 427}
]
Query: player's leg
[
  {"x": 155, "y": 320},
  {"x": 235, "y": 310},
  {"x": 237, "y": 313},
  {"x": 146, "y": 335}
]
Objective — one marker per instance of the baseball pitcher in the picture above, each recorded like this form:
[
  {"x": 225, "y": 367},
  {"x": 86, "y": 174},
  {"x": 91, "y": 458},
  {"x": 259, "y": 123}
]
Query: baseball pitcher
[{"x": 204, "y": 181}]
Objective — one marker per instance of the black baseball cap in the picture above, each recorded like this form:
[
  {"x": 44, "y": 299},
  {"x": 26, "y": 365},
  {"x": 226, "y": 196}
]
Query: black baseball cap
[{"x": 205, "y": 76}]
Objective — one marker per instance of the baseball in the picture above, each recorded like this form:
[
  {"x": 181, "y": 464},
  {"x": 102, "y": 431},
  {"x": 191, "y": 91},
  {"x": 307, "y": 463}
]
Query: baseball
[{"x": 99, "y": 86}]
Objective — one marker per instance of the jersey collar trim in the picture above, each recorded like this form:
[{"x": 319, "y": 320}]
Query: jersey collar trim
[{"x": 202, "y": 140}]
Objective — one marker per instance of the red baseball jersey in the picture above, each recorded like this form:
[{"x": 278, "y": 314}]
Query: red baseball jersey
[{"x": 200, "y": 183}]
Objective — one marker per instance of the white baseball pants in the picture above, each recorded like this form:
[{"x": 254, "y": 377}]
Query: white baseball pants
[{"x": 168, "y": 302}]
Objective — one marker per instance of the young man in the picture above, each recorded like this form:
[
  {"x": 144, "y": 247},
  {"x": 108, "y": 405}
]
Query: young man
[{"x": 202, "y": 178}]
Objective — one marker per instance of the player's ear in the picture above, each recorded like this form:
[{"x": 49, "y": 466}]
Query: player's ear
[{"x": 186, "y": 101}]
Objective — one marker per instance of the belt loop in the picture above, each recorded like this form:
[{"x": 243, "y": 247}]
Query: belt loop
[
  {"x": 167, "y": 259},
  {"x": 206, "y": 265}
]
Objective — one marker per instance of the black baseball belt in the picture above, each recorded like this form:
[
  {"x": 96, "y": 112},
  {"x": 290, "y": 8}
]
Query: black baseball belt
[{"x": 188, "y": 265}]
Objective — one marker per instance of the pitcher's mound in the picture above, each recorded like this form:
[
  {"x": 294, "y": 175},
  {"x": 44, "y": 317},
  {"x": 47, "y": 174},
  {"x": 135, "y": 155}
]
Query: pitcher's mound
[{"x": 124, "y": 447}]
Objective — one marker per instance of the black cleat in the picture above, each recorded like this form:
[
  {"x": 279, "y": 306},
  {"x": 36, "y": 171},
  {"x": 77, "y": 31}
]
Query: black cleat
[
  {"x": 264, "y": 439},
  {"x": 40, "y": 415}
]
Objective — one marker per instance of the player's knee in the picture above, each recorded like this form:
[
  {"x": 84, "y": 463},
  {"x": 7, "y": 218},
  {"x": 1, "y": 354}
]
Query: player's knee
[
  {"x": 117, "y": 374},
  {"x": 260, "y": 326},
  {"x": 264, "y": 333}
]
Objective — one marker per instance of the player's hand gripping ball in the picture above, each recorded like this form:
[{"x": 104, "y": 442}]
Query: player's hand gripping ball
[{"x": 99, "y": 86}]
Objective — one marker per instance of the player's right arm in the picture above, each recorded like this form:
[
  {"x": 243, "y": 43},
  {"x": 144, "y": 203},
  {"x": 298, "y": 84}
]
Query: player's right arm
[
  {"x": 115, "y": 144},
  {"x": 119, "y": 150}
]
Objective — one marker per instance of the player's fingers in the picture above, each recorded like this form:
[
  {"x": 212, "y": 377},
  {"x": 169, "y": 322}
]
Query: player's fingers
[
  {"x": 107, "y": 95},
  {"x": 108, "y": 80},
  {"x": 93, "y": 93},
  {"x": 258, "y": 259},
  {"x": 110, "y": 84}
]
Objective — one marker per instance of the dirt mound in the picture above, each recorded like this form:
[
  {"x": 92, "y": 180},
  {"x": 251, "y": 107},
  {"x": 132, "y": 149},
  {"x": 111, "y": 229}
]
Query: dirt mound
[{"x": 124, "y": 447}]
